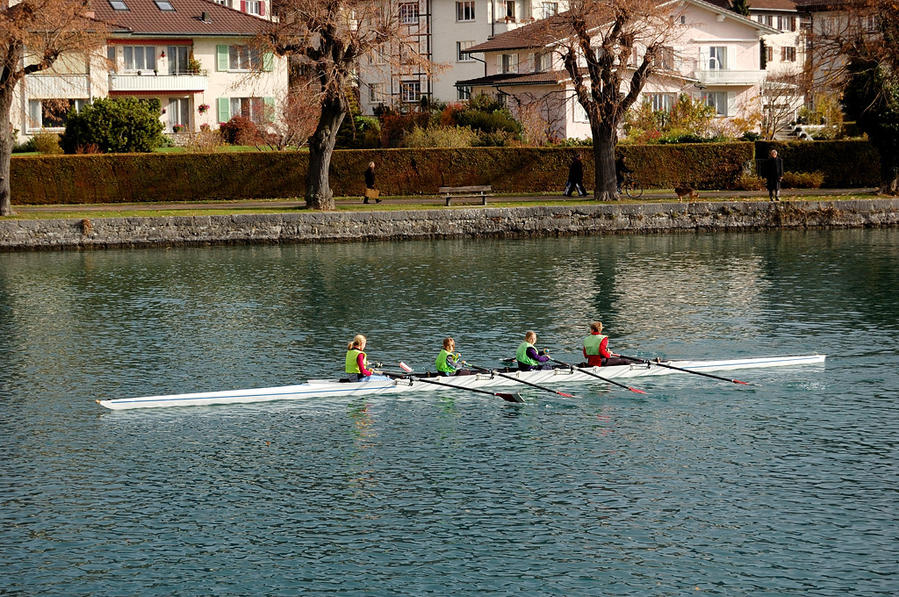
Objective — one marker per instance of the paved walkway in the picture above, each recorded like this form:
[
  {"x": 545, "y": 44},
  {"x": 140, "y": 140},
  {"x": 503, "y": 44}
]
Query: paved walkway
[{"x": 651, "y": 195}]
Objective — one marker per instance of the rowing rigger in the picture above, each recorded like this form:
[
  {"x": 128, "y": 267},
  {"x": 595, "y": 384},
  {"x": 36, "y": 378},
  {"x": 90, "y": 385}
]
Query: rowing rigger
[{"x": 384, "y": 385}]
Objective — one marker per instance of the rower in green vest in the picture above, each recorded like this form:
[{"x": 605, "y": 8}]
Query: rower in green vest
[
  {"x": 356, "y": 360},
  {"x": 527, "y": 356},
  {"x": 448, "y": 361}
]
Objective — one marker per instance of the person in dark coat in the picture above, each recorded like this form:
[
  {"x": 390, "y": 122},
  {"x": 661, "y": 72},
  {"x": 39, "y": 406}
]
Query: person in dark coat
[
  {"x": 575, "y": 178},
  {"x": 773, "y": 173},
  {"x": 621, "y": 170},
  {"x": 370, "y": 183}
]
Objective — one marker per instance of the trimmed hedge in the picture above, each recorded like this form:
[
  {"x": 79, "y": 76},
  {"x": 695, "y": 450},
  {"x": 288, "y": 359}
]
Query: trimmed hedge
[
  {"x": 845, "y": 164},
  {"x": 111, "y": 178}
]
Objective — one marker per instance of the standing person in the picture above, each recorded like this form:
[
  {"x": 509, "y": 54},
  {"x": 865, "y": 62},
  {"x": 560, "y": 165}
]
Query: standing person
[
  {"x": 448, "y": 361},
  {"x": 370, "y": 191},
  {"x": 527, "y": 356},
  {"x": 774, "y": 173},
  {"x": 621, "y": 169},
  {"x": 596, "y": 349},
  {"x": 575, "y": 177},
  {"x": 357, "y": 360}
]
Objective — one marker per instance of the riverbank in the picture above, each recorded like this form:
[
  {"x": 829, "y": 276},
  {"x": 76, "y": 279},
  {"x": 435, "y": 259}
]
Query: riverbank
[{"x": 475, "y": 222}]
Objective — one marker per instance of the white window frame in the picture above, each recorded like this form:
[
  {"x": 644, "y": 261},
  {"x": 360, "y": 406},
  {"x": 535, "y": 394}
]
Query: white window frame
[
  {"x": 408, "y": 13},
  {"x": 461, "y": 54},
  {"x": 255, "y": 108},
  {"x": 661, "y": 102},
  {"x": 410, "y": 91},
  {"x": 135, "y": 58},
  {"x": 463, "y": 93},
  {"x": 717, "y": 56},
  {"x": 375, "y": 92},
  {"x": 578, "y": 112},
  {"x": 244, "y": 59},
  {"x": 510, "y": 7},
  {"x": 788, "y": 54},
  {"x": 36, "y": 113},
  {"x": 254, "y": 7},
  {"x": 465, "y": 12},
  {"x": 717, "y": 100},
  {"x": 509, "y": 63},
  {"x": 550, "y": 9}
]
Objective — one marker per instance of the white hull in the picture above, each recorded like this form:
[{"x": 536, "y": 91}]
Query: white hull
[{"x": 382, "y": 385}]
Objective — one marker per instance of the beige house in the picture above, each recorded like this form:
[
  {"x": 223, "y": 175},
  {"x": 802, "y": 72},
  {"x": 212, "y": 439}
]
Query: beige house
[
  {"x": 194, "y": 56},
  {"x": 714, "y": 54}
]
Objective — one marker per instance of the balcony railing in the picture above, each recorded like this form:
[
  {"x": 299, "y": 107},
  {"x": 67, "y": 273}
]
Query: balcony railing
[
  {"x": 58, "y": 86},
  {"x": 134, "y": 82},
  {"x": 730, "y": 77}
]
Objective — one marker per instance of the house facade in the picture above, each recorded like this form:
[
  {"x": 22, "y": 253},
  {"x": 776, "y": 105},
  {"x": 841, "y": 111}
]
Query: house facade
[
  {"x": 443, "y": 31},
  {"x": 714, "y": 54},
  {"x": 195, "y": 56}
]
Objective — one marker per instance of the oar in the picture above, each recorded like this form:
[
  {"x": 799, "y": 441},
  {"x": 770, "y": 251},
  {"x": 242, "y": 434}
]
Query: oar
[
  {"x": 503, "y": 395},
  {"x": 661, "y": 364},
  {"x": 605, "y": 379},
  {"x": 527, "y": 383}
]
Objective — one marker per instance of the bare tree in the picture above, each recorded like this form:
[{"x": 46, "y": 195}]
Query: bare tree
[
  {"x": 33, "y": 35},
  {"x": 330, "y": 37},
  {"x": 620, "y": 43},
  {"x": 781, "y": 97}
]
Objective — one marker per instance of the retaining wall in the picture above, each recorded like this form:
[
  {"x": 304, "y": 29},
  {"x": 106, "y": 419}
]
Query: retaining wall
[{"x": 518, "y": 222}]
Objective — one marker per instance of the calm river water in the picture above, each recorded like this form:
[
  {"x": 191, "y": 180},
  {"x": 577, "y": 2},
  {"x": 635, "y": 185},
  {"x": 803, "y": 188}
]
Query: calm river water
[{"x": 786, "y": 486}]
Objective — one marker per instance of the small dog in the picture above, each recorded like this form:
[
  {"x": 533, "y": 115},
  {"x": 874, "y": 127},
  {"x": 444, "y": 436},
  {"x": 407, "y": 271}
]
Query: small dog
[{"x": 687, "y": 192}]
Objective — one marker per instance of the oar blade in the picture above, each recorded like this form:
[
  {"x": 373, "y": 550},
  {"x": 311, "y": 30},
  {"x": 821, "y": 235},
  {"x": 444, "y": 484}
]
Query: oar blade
[
  {"x": 745, "y": 383},
  {"x": 637, "y": 390},
  {"x": 566, "y": 395},
  {"x": 516, "y": 398}
]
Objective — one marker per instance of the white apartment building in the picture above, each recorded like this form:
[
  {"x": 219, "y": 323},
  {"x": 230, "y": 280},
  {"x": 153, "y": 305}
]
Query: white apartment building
[
  {"x": 714, "y": 55},
  {"x": 194, "y": 56},
  {"x": 442, "y": 31}
]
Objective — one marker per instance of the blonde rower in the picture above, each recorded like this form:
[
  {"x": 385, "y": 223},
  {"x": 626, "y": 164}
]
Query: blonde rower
[{"x": 356, "y": 360}]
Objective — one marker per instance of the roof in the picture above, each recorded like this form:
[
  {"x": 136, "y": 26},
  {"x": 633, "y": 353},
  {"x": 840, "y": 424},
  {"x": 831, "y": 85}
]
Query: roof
[
  {"x": 760, "y": 5},
  {"x": 544, "y": 78},
  {"x": 144, "y": 17},
  {"x": 552, "y": 29}
]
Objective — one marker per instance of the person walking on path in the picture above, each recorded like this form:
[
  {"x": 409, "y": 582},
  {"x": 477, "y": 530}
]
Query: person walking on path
[
  {"x": 370, "y": 191},
  {"x": 773, "y": 173},
  {"x": 575, "y": 177}
]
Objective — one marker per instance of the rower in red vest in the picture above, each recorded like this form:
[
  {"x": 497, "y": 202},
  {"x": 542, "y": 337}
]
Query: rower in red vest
[{"x": 596, "y": 349}]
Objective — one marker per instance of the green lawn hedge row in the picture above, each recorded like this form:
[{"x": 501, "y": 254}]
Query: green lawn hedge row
[{"x": 206, "y": 176}]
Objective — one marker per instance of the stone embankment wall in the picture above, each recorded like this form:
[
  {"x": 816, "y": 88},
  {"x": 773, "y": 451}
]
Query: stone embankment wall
[{"x": 307, "y": 227}]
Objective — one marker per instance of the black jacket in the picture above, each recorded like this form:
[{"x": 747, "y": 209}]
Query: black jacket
[
  {"x": 773, "y": 169},
  {"x": 369, "y": 178},
  {"x": 576, "y": 172}
]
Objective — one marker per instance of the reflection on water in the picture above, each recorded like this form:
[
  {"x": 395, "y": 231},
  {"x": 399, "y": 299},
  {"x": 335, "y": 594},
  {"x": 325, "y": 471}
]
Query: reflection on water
[{"x": 784, "y": 486}]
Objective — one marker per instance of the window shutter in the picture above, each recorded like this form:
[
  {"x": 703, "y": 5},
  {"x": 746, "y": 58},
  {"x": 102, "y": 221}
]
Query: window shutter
[
  {"x": 704, "y": 58},
  {"x": 221, "y": 57},
  {"x": 269, "y": 109},
  {"x": 731, "y": 104},
  {"x": 262, "y": 8},
  {"x": 731, "y": 58},
  {"x": 499, "y": 63},
  {"x": 268, "y": 62},
  {"x": 224, "y": 109},
  {"x": 243, "y": 5}
]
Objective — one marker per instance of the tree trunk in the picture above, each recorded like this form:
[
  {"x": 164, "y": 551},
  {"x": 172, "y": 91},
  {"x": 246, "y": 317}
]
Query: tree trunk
[
  {"x": 6, "y": 143},
  {"x": 321, "y": 147},
  {"x": 889, "y": 167},
  {"x": 605, "y": 186}
]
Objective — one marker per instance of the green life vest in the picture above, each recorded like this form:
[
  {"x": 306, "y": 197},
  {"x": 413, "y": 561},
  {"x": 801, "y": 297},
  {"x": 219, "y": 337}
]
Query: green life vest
[
  {"x": 352, "y": 365},
  {"x": 522, "y": 355},
  {"x": 592, "y": 342},
  {"x": 441, "y": 363}
]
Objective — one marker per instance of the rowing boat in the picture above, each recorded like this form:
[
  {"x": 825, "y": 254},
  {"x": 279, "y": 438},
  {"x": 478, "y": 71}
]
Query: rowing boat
[{"x": 379, "y": 384}]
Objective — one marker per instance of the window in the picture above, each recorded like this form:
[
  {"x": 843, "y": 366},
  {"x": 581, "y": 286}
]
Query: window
[
  {"x": 375, "y": 92},
  {"x": 249, "y": 107},
  {"x": 542, "y": 62},
  {"x": 661, "y": 102},
  {"x": 177, "y": 56},
  {"x": 717, "y": 58},
  {"x": 461, "y": 54},
  {"x": 509, "y": 63},
  {"x": 177, "y": 112},
  {"x": 409, "y": 13},
  {"x": 769, "y": 54},
  {"x": 510, "y": 9},
  {"x": 140, "y": 57},
  {"x": 788, "y": 54},
  {"x": 118, "y": 5},
  {"x": 51, "y": 113},
  {"x": 410, "y": 91},
  {"x": 110, "y": 57},
  {"x": 463, "y": 93},
  {"x": 664, "y": 60},
  {"x": 223, "y": 3},
  {"x": 244, "y": 58},
  {"x": 871, "y": 23},
  {"x": 163, "y": 5},
  {"x": 579, "y": 114},
  {"x": 717, "y": 100},
  {"x": 550, "y": 9},
  {"x": 465, "y": 10}
]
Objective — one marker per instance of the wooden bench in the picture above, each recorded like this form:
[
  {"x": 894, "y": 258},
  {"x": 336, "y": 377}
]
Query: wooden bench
[{"x": 472, "y": 192}]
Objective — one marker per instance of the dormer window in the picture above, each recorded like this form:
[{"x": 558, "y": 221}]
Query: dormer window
[
  {"x": 164, "y": 5},
  {"x": 118, "y": 5}
]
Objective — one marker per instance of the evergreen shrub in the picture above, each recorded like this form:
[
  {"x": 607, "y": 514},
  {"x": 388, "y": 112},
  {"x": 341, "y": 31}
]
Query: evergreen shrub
[{"x": 114, "y": 125}]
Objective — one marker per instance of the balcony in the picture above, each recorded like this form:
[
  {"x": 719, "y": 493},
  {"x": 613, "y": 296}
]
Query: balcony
[
  {"x": 729, "y": 77},
  {"x": 150, "y": 83},
  {"x": 58, "y": 86}
]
